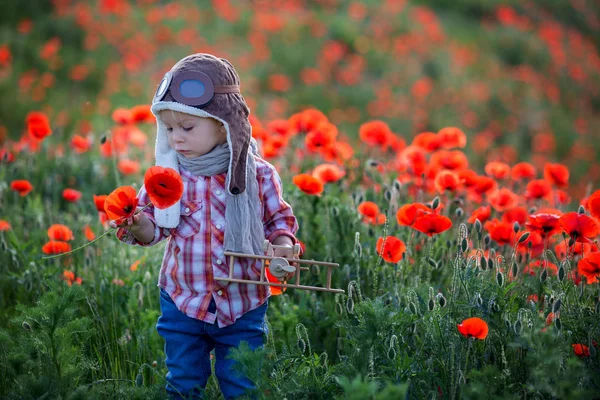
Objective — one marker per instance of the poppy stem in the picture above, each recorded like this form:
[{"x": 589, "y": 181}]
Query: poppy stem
[{"x": 95, "y": 240}]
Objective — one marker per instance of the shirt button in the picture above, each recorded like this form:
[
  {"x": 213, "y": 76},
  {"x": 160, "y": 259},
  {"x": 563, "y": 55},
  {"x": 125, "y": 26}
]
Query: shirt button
[
  {"x": 218, "y": 192},
  {"x": 218, "y": 226},
  {"x": 187, "y": 209},
  {"x": 219, "y": 262},
  {"x": 220, "y": 293}
]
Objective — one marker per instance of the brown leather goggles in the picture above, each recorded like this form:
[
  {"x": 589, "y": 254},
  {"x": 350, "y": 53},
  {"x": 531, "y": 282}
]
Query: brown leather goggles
[{"x": 191, "y": 88}]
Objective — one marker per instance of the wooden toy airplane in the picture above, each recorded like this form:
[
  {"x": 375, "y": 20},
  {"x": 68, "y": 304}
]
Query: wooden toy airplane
[{"x": 280, "y": 267}]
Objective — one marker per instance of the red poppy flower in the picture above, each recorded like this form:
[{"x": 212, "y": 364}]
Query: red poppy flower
[
  {"x": 22, "y": 186},
  {"x": 80, "y": 144},
  {"x": 537, "y": 189},
  {"x": 500, "y": 231},
  {"x": 412, "y": 159},
  {"x": 69, "y": 277},
  {"x": 557, "y": 174},
  {"x": 482, "y": 214},
  {"x": 60, "y": 232},
  {"x": 4, "y": 225},
  {"x": 502, "y": 199},
  {"x": 581, "y": 350},
  {"x": 142, "y": 113},
  {"x": 545, "y": 224},
  {"x": 99, "y": 201},
  {"x": 432, "y": 224},
  {"x": 517, "y": 214},
  {"x": 275, "y": 290},
  {"x": 321, "y": 137},
  {"x": 449, "y": 159},
  {"x": 306, "y": 120},
  {"x": 523, "y": 171},
  {"x": 38, "y": 125},
  {"x": 368, "y": 209},
  {"x": 392, "y": 250},
  {"x": 579, "y": 226},
  {"x": 473, "y": 328},
  {"x": 6, "y": 156},
  {"x": 308, "y": 184},
  {"x": 589, "y": 266},
  {"x": 497, "y": 169},
  {"x": 408, "y": 213},
  {"x": 452, "y": 137},
  {"x": 429, "y": 141},
  {"x": 122, "y": 116},
  {"x": 446, "y": 181},
  {"x": 121, "y": 203},
  {"x": 71, "y": 195},
  {"x": 593, "y": 204},
  {"x": 375, "y": 133},
  {"x": 56, "y": 247},
  {"x": 128, "y": 167},
  {"x": 163, "y": 185},
  {"x": 328, "y": 173},
  {"x": 89, "y": 233},
  {"x": 483, "y": 184}
]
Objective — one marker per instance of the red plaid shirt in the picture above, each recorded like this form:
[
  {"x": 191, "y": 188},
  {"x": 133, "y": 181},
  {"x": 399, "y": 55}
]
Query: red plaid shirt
[{"x": 194, "y": 251}]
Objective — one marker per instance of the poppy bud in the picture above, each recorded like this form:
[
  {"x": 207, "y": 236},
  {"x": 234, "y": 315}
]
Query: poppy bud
[
  {"x": 458, "y": 201},
  {"x": 490, "y": 263},
  {"x": 431, "y": 305},
  {"x": 532, "y": 210},
  {"x": 412, "y": 308},
  {"x": 598, "y": 307},
  {"x": 518, "y": 327},
  {"x": 571, "y": 242},
  {"x": 335, "y": 211},
  {"x": 581, "y": 210},
  {"x": 487, "y": 239},
  {"x": 556, "y": 306},
  {"x": 350, "y": 305},
  {"x": 464, "y": 245},
  {"x": 478, "y": 300},
  {"x": 500, "y": 279},
  {"x": 508, "y": 324},
  {"x": 482, "y": 263},
  {"x": 26, "y": 326},
  {"x": 388, "y": 195},
  {"x": 139, "y": 380},
  {"x": 558, "y": 324},
  {"x": 459, "y": 212},
  {"x": 448, "y": 244},
  {"x": 544, "y": 276},
  {"x": 515, "y": 269},
  {"x": 592, "y": 350},
  {"x": 561, "y": 274},
  {"x": 357, "y": 245},
  {"x": 477, "y": 225},
  {"x": 496, "y": 308},
  {"x": 436, "y": 203},
  {"x": 103, "y": 139},
  {"x": 432, "y": 262},
  {"x": 339, "y": 309},
  {"x": 3, "y": 245},
  {"x": 441, "y": 300},
  {"x": 516, "y": 227},
  {"x": 391, "y": 354},
  {"x": 523, "y": 237},
  {"x": 301, "y": 345},
  {"x": 397, "y": 185}
]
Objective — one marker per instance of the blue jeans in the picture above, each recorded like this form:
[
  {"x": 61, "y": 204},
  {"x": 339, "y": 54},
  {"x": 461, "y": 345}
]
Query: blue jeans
[{"x": 189, "y": 341}]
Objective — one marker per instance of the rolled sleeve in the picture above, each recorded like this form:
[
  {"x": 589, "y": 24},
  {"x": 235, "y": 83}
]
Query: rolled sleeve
[
  {"x": 278, "y": 216},
  {"x": 159, "y": 233}
]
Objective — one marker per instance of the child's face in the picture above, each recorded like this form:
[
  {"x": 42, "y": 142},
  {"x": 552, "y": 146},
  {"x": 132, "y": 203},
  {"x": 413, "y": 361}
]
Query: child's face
[{"x": 192, "y": 136}]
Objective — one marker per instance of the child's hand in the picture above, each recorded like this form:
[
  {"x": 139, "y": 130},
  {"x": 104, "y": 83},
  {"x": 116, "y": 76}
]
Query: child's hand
[
  {"x": 132, "y": 223},
  {"x": 284, "y": 252}
]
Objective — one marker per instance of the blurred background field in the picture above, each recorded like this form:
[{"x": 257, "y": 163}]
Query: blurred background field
[{"x": 521, "y": 79}]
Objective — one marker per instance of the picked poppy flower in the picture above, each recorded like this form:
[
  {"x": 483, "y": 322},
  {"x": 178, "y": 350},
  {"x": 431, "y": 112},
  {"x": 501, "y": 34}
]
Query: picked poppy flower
[
  {"x": 60, "y": 232},
  {"x": 71, "y": 195},
  {"x": 580, "y": 227},
  {"x": 21, "y": 186},
  {"x": 328, "y": 173},
  {"x": 557, "y": 174},
  {"x": 408, "y": 213},
  {"x": 473, "y": 328},
  {"x": 56, "y": 247},
  {"x": 275, "y": 290},
  {"x": 581, "y": 350},
  {"x": 308, "y": 184},
  {"x": 432, "y": 224},
  {"x": 4, "y": 225},
  {"x": 589, "y": 266},
  {"x": 121, "y": 203},
  {"x": 393, "y": 250},
  {"x": 163, "y": 185},
  {"x": 99, "y": 201}
]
